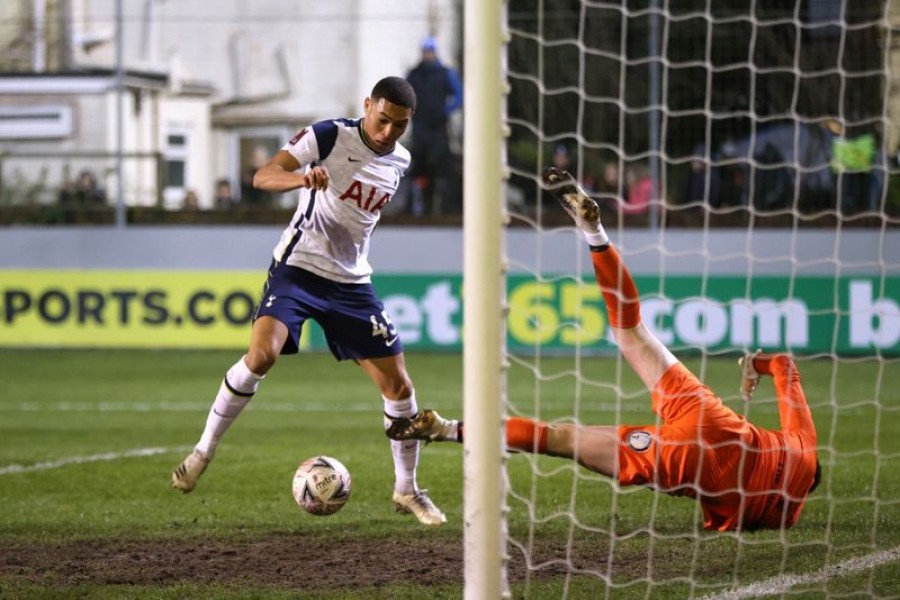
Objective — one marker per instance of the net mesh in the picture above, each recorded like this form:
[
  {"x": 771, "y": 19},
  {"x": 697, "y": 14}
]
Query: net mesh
[{"x": 741, "y": 153}]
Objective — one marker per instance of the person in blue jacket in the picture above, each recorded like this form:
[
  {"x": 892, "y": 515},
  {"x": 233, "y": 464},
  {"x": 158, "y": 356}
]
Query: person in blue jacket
[{"x": 439, "y": 95}]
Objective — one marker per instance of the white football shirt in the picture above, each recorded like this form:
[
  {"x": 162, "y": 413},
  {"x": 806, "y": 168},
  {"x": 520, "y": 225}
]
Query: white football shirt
[{"x": 329, "y": 233}]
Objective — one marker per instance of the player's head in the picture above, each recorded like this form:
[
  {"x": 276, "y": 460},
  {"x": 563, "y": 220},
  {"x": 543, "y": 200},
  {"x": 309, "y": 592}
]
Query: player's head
[
  {"x": 395, "y": 90},
  {"x": 388, "y": 111},
  {"x": 429, "y": 49}
]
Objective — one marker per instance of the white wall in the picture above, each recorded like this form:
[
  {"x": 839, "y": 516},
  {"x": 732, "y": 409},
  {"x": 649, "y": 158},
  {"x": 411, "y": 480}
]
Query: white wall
[
  {"x": 335, "y": 50},
  {"x": 412, "y": 250}
]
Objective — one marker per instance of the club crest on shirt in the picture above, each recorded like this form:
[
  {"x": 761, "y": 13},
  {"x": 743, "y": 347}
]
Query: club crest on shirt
[
  {"x": 639, "y": 441},
  {"x": 298, "y": 136}
]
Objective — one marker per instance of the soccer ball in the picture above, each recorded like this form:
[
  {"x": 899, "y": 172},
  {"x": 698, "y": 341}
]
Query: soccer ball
[{"x": 321, "y": 485}]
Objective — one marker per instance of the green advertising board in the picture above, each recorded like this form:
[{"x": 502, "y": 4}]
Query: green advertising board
[{"x": 853, "y": 315}]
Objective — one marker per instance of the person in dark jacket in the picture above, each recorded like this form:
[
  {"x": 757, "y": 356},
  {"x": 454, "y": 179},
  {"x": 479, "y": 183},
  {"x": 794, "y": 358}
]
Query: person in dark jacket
[{"x": 439, "y": 94}]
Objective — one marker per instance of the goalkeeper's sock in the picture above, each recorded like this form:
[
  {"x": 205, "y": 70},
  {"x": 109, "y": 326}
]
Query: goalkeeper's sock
[
  {"x": 623, "y": 306},
  {"x": 404, "y": 452},
  {"x": 596, "y": 238},
  {"x": 521, "y": 434},
  {"x": 527, "y": 435},
  {"x": 235, "y": 392}
]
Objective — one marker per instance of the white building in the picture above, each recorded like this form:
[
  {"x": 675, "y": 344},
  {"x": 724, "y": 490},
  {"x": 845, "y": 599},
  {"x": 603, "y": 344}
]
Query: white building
[{"x": 208, "y": 89}]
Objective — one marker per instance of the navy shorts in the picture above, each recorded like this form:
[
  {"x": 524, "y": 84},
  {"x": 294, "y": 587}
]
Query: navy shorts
[{"x": 355, "y": 323}]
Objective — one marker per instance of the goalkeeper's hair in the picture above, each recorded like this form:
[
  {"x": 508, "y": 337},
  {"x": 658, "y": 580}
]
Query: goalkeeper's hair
[{"x": 395, "y": 90}]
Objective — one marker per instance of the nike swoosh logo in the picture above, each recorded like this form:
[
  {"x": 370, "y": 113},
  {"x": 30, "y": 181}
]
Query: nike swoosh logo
[
  {"x": 351, "y": 159},
  {"x": 390, "y": 343}
]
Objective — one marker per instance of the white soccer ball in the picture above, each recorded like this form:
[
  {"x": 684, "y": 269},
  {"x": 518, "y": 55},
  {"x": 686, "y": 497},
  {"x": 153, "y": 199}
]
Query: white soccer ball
[{"x": 321, "y": 485}]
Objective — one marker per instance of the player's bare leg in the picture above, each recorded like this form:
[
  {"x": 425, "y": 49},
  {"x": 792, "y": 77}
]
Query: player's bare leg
[
  {"x": 389, "y": 374},
  {"x": 237, "y": 388},
  {"x": 643, "y": 351},
  {"x": 596, "y": 447}
]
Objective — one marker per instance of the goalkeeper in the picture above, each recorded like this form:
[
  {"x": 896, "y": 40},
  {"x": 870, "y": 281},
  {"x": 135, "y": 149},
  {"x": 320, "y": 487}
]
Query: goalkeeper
[{"x": 744, "y": 476}]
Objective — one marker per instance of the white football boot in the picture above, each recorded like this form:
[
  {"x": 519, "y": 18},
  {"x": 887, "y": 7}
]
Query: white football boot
[
  {"x": 185, "y": 477},
  {"x": 420, "y": 505}
]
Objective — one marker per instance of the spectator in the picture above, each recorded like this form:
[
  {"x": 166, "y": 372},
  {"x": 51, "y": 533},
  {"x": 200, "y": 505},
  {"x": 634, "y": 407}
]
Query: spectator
[
  {"x": 562, "y": 159},
  {"x": 640, "y": 190},
  {"x": 224, "y": 198},
  {"x": 700, "y": 183},
  {"x": 86, "y": 191},
  {"x": 191, "y": 201},
  {"x": 773, "y": 182},
  {"x": 250, "y": 195},
  {"x": 439, "y": 95},
  {"x": 610, "y": 188},
  {"x": 853, "y": 160}
]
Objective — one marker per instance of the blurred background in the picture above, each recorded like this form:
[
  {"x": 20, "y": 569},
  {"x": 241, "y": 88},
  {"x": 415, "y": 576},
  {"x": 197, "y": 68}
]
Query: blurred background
[
  {"x": 174, "y": 105},
  {"x": 673, "y": 115},
  {"x": 741, "y": 151}
]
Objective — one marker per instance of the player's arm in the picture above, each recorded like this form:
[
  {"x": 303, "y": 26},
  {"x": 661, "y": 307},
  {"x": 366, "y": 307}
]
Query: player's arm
[
  {"x": 281, "y": 175},
  {"x": 792, "y": 406}
]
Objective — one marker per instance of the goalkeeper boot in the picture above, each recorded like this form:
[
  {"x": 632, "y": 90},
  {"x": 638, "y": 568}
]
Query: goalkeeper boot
[
  {"x": 185, "y": 477},
  {"x": 749, "y": 375},
  {"x": 575, "y": 201},
  {"x": 420, "y": 505},
  {"x": 428, "y": 425}
]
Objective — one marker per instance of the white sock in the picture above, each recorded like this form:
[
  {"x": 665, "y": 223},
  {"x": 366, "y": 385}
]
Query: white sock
[
  {"x": 596, "y": 238},
  {"x": 405, "y": 453},
  {"x": 236, "y": 390}
]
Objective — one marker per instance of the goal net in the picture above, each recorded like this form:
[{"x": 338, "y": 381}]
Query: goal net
[{"x": 741, "y": 153}]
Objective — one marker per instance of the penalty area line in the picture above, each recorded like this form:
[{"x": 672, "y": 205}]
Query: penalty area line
[
  {"x": 783, "y": 583},
  {"x": 77, "y": 460}
]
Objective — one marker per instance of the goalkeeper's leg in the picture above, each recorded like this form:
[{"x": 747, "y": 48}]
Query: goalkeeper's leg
[
  {"x": 644, "y": 352},
  {"x": 648, "y": 356},
  {"x": 595, "y": 447}
]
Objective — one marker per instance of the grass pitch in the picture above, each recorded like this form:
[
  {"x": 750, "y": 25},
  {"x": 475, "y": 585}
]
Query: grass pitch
[{"x": 89, "y": 439}]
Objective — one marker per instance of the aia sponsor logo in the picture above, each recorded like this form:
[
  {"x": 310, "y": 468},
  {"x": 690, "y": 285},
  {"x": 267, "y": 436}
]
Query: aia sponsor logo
[{"x": 368, "y": 198}]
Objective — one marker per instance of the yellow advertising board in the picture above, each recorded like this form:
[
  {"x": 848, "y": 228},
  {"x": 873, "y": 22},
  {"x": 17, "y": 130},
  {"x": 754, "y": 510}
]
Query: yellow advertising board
[{"x": 171, "y": 309}]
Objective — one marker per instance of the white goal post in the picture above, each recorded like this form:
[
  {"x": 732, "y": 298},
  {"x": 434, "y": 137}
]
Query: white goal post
[
  {"x": 751, "y": 147},
  {"x": 483, "y": 289}
]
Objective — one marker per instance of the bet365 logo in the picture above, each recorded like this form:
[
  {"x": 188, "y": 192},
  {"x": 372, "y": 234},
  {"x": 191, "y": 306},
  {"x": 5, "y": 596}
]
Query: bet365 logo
[{"x": 384, "y": 327}]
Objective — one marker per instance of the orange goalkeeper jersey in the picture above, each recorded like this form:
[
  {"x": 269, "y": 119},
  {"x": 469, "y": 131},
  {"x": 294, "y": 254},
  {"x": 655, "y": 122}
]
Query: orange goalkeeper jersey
[{"x": 744, "y": 476}]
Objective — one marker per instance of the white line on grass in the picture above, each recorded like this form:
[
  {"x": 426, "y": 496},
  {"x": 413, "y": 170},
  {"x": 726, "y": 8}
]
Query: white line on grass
[
  {"x": 289, "y": 407},
  {"x": 183, "y": 407},
  {"x": 76, "y": 460},
  {"x": 783, "y": 583}
]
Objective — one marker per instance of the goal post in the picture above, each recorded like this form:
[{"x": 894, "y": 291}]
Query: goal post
[
  {"x": 751, "y": 145},
  {"x": 483, "y": 290}
]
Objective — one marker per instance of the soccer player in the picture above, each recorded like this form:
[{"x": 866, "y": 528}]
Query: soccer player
[
  {"x": 346, "y": 171},
  {"x": 744, "y": 476}
]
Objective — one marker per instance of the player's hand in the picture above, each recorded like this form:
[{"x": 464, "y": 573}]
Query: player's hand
[{"x": 317, "y": 178}]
